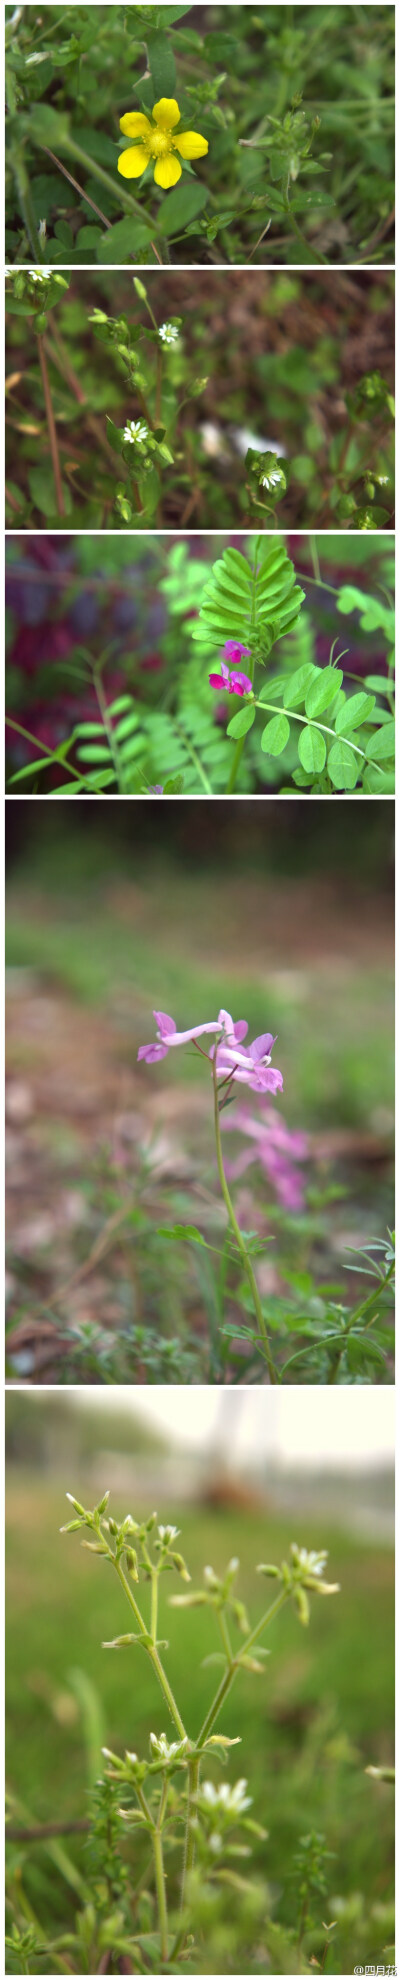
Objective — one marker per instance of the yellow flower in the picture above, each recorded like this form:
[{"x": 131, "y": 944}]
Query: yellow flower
[{"x": 156, "y": 141}]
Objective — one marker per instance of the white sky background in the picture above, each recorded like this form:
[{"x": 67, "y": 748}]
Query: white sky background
[{"x": 347, "y": 1428}]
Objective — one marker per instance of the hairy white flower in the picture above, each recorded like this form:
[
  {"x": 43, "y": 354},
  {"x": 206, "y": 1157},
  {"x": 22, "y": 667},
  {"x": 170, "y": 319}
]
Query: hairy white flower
[
  {"x": 163, "y": 1749},
  {"x": 309, "y": 1563},
  {"x": 40, "y": 274},
  {"x": 168, "y": 333},
  {"x": 135, "y": 430},
  {"x": 168, "y": 1532}
]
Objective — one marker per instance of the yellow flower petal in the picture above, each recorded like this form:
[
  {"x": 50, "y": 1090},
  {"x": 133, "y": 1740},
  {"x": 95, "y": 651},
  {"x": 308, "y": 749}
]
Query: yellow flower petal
[
  {"x": 190, "y": 144},
  {"x": 134, "y": 124},
  {"x": 166, "y": 113},
  {"x": 167, "y": 171},
  {"x": 133, "y": 162}
]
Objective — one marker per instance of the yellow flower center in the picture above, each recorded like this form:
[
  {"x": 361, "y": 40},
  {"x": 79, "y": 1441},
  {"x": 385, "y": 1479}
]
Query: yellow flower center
[{"x": 160, "y": 143}]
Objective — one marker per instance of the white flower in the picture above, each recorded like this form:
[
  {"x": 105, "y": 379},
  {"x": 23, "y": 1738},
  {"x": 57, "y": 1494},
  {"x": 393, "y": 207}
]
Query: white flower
[
  {"x": 168, "y": 1533},
  {"x": 226, "y": 1800},
  {"x": 42, "y": 230},
  {"x": 271, "y": 480},
  {"x": 40, "y": 274},
  {"x": 135, "y": 430},
  {"x": 168, "y": 333},
  {"x": 309, "y": 1563},
  {"x": 165, "y": 1751}
]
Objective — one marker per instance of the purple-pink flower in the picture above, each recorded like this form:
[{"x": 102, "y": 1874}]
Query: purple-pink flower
[
  {"x": 168, "y": 1035},
  {"x": 231, "y": 677},
  {"x": 278, "y": 1148},
  {"x": 250, "y": 1068}
]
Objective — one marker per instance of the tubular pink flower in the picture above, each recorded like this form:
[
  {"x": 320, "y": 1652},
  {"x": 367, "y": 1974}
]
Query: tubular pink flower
[
  {"x": 168, "y": 1035},
  {"x": 276, "y": 1147}
]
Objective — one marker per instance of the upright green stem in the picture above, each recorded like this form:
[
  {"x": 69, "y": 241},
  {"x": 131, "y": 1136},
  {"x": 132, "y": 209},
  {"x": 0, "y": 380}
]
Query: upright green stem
[
  {"x": 229, "y": 1676},
  {"x": 154, "y": 1604},
  {"x": 161, "y": 1892},
  {"x": 27, "y": 209},
  {"x": 190, "y": 1840},
  {"x": 246, "y": 1261},
  {"x": 152, "y": 1652}
]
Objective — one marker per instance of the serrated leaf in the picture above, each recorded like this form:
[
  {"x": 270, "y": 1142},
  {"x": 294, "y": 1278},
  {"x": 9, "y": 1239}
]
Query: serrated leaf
[
  {"x": 275, "y": 736},
  {"x": 187, "y": 1232}
]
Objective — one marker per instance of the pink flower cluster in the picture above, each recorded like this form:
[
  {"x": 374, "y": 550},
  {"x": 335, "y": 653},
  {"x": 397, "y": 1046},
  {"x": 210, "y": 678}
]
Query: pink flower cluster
[
  {"x": 231, "y": 678},
  {"x": 250, "y": 1068},
  {"x": 278, "y": 1148}
]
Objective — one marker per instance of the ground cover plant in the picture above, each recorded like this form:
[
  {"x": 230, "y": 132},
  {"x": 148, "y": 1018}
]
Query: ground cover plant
[
  {"x": 114, "y": 675},
  {"x": 291, "y": 121},
  {"x": 133, "y": 1254},
  {"x": 309, "y": 1725},
  {"x": 215, "y": 399}
]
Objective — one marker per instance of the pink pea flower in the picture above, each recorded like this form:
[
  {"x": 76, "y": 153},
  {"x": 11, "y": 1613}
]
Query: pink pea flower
[
  {"x": 168, "y": 1035},
  {"x": 249, "y": 1068},
  {"x": 278, "y": 1149},
  {"x": 234, "y": 682}
]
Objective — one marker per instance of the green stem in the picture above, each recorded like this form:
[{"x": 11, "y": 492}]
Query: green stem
[
  {"x": 161, "y": 1893},
  {"x": 246, "y": 1261},
  {"x": 313, "y": 724},
  {"x": 96, "y": 171},
  {"x": 53, "y": 755},
  {"x": 154, "y": 1604},
  {"x": 151, "y": 1652},
  {"x": 27, "y": 209},
  {"x": 51, "y": 428},
  {"x": 228, "y": 1679},
  {"x": 190, "y": 1840}
]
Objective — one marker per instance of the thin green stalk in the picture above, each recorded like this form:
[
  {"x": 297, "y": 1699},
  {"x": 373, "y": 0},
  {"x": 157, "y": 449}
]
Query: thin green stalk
[
  {"x": 190, "y": 1840},
  {"x": 161, "y": 1893},
  {"x": 152, "y": 1652},
  {"x": 54, "y": 755},
  {"x": 27, "y": 208},
  {"x": 246, "y": 1261},
  {"x": 154, "y": 1604},
  {"x": 311, "y": 723},
  {"x": 96, "y": 171},
  {"x": 228, "y": 1679},
  {"x": 51, "y": 428}
]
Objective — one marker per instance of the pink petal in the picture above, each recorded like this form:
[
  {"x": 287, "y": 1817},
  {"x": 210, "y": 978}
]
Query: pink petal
[{"x": 165, "y": 1024}]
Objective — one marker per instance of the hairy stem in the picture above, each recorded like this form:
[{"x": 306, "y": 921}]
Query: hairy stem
[
  {"x": 246, "y": 1261},
  {"x": 51, "y": 428},
  {"x": 190, "y": 1841},
  {"x": 161, "y": 1893},
  {"x": 231, "y": 1673}
]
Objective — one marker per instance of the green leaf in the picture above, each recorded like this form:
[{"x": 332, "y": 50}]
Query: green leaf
[
  {"x": 182, "y": 206},
  {"x": 296, "y": 688},
  {"x": 322, "y": 690},
  {"x": 356, "y": 709},
  {"x": 49, "y": 126},
  {"x": 161, "y": 64},
  {"x": 41, "y": 488},
  {"x": 275, "y": 736},
  {"x": 344, "y": 766},
  {"x": 187, "y": 1232},
  {"x": 124, "y": 242},
  {"x": 312, "y": 749},
  {"x": 242, "y": 722},
  {"x": 361, "y": 1348},
  {"x": 382, "y": 744},
  {"x": 379, "y": 685}
]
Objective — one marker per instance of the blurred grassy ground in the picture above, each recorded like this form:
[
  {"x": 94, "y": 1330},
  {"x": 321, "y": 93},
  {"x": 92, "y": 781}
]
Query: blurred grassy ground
[
  {"x": 321, "y": 1714},
  {"x": 309, "y": 960}
]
